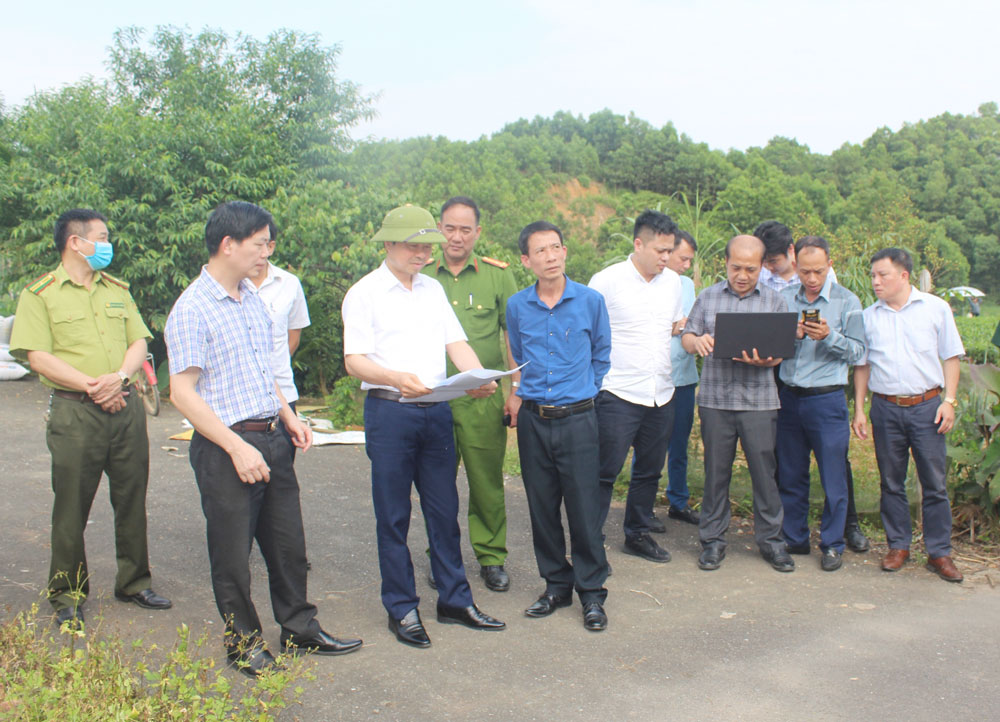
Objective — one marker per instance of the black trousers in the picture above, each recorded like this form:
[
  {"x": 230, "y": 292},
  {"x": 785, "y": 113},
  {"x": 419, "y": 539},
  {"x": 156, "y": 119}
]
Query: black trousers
[
  {"x": 237, "y": 513},
  {"x": 559, "y": 464}
]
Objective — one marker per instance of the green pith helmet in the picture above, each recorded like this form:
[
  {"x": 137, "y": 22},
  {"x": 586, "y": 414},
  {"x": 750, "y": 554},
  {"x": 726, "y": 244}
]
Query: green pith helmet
[{"x": 409, "y": 224}]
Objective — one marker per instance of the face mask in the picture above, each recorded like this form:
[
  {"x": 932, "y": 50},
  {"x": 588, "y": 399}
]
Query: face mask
[{"x": 102, "y": 255}]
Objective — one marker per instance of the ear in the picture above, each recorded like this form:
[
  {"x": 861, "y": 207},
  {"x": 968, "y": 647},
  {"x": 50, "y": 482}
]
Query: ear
[
  {"x": 637, "y": 244},
  {"x": 524, "y": 262}
]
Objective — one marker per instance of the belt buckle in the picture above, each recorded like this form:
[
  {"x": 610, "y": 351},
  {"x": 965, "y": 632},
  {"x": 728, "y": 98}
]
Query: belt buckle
[
  {"x": 542, "y": 411},
  {"x": 272, "y": 425}
]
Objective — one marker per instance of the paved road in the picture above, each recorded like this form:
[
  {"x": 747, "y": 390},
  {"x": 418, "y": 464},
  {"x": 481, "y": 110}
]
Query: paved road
[{"x": 741, "y": 643}]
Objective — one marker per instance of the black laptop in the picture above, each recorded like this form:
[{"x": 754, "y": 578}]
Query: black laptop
[{"x": 772, "y": 334}]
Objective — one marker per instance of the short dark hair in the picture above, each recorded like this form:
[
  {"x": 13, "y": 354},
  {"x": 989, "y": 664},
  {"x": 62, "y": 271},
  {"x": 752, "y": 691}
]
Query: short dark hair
[
  {"x": 461, "y": 201},
  {"x": 687, "y": 238},
  {"x": 776, "y": 236},
  {"x": 897, "y": 256},
  {"x": 237, "y": 219},
  {"x": 537, "y": 227},
  {"x": 812, "y": 242},
  {"x": 72, "y": 222},
  {"x": 730, "y": 243},
  {"x": 660, "y": 224}
]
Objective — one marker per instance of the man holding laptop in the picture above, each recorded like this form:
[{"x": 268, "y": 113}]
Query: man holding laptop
[{"x": 738, "y": 399}]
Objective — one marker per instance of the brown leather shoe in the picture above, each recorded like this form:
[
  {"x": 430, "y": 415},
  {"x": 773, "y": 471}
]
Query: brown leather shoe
[
  {"x": 945, "y": 568},
  {"x": 895, "y": 559}
]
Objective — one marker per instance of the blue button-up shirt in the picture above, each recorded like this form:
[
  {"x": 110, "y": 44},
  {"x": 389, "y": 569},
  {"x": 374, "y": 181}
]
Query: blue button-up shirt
[
  {"x": 230, "y": 341},
  {"x": 825, "y": 363},
  {"x": 682, "y": 363},
  {"x": 567, "y": 347}
]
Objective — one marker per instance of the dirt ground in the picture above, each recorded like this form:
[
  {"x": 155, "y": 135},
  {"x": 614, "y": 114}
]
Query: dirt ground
[{"x": 740, "y": 643}]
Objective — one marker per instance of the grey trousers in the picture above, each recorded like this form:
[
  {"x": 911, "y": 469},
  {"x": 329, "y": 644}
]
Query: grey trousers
[{"x": 756, "y": 432}]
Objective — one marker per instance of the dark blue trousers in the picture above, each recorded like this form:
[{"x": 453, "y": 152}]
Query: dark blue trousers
[
  {"x": 816, "y": 424},
  {"x": 898, "y": 430},
  {"x": 646, "y": 429},
  {"x": 677, "y": 449},
  {"x": 414, "y": 446}
]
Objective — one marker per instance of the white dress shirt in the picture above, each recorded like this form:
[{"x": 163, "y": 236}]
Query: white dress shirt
[
  {"x": 285, "y": 302},
  {"x": 905, "y": 347},
  {"x": 398, "y": 328},
  {"x": 642, "y": 317}
]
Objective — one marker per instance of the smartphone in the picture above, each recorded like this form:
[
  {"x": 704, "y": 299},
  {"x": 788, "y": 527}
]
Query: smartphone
[{"x": 810, "y": 315}]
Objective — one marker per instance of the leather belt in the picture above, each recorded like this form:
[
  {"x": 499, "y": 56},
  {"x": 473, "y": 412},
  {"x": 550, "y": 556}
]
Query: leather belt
[
  {"x": 387, "y": 395},
  {"x": 269, "y": 424},
  {"x": 813, "y": 390},
  {"x": 910, "y": 400},
  {"x": 80, "y": 396},
  {"x": 558, "y": 412}
]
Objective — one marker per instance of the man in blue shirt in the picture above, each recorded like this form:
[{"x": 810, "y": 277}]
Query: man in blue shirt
[
  {"x": 561, "y": 330},
  {"x": 813, "y": 415}
]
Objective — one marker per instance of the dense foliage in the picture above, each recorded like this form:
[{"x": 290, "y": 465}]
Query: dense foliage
[{"x": 187, "y": 121}]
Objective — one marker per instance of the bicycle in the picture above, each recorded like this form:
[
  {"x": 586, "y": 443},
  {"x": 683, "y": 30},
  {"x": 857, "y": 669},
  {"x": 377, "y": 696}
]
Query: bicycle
[{"x": 148, "y": 387}]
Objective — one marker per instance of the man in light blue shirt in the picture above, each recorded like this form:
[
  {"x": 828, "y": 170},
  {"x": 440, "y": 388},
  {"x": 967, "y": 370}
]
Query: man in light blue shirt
[
  {"x": 813, "y": 415},
  {"x": 912, "y": 366},
  {"x": 685, "y": 375}
]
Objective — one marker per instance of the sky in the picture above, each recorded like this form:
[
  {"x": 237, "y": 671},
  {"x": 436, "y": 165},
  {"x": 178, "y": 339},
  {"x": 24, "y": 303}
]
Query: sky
[{"x": 727, "y": 73}]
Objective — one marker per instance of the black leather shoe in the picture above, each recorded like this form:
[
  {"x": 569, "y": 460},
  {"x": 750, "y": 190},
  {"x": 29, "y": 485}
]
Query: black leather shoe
[
  {"x": 74, "y": 615},
  {"x": 687, "y": 514},
  {"x": 252, "y": 660},
  {"x": 856, "y": 541},
  {"x": 495, "y": 577},
  {"x": 644, "y": 546},
  {"x": 594, "y": 618},
  {"x": 548, "y": 603},
  {"x": 656, "y": 526},
  {"x": 147, "y": 599},
  {"x": 831, "y": 560},
  {"x": 410, "y": 630},
  {"x": 802, "y": 549},
  {"x": 711, "y": 558},
  {"x": 321, "y": 643},
  {"x": 469, "y": 616},
  {"x": 779, "y": 560},
  {"x": 430, "y": 580}
]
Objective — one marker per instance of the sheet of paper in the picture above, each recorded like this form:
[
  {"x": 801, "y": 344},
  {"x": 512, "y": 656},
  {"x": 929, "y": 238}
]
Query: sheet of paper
[
  {"x": 321, "y": 438},
  {"x": 455, "y": 386}
]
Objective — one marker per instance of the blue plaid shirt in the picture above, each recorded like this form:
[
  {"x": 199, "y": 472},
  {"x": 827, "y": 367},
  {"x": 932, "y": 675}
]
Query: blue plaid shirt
[{"x": 230, "y": 341}]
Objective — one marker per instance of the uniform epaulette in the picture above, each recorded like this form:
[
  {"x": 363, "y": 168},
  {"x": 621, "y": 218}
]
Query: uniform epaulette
[
  {"x": 117, "y": 281},
  {"x": 41, "y": 283},
  {"x": 494, "y": 262}
]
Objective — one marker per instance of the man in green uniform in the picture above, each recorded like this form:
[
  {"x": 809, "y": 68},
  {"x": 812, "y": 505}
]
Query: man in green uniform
[
  {"x": 81, "y": 332},
  {"x": 478, "y": 288}
]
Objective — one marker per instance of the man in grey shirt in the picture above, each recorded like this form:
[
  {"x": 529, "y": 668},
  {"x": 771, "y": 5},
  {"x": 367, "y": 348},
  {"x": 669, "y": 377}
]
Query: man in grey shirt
[{"x": 737, "y": 399}]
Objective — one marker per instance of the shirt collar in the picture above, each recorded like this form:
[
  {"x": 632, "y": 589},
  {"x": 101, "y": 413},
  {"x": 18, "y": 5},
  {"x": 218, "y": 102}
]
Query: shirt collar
[
  {"x": 916, "y": 296},
  {"x": 388, "y": 279},
  {"x": 569, "y": 292},
  {"x": 726, "y": 288},
  {"x": 62, "y": 275},
  {"x": 271, "y": 277},
  {"x": 216, "y": 290},
  {"x": 824, "y": 293},
  {"x": 473, "y": 262}
]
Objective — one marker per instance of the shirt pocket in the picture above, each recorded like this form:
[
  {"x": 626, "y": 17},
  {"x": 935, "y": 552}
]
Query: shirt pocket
[
  {"x": 71, "y": 328},
  {"x": 116, "y": 319}
]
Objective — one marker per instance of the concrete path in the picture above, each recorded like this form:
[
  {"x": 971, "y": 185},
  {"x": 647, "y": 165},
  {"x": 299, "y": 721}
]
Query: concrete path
[{"x": 741, "y": 643}]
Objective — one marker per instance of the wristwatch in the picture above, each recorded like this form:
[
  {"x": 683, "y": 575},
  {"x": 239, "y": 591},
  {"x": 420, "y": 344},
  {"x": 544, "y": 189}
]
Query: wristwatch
[
  {"x": 950, "y": 400},
  {"x": 123, "y": 376}
]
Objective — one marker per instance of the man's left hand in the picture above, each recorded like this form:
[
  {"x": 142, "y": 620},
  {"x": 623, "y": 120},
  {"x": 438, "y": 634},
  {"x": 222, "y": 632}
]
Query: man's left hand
[
  {"x": 816, "y": 330},
  {"x": 104, "y": 388},
  {"x": 302, "y": 435},
  {"x": 756, "y": 360},
  {"x": 483, "y": 391},
  {"x": 945, "y": 417}
]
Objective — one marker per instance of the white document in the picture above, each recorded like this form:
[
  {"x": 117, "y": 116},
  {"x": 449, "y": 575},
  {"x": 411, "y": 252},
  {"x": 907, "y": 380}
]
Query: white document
[{"x": 455, "y": 386}]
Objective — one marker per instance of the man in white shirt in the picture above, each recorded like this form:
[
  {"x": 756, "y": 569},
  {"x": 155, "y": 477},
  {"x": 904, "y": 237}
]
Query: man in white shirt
[
  {"x": 909, "y": 334},
  {"x": 398, "y": 327},
  {"x": 634, "y": 407},
  {"x": 285, "y": 303}
]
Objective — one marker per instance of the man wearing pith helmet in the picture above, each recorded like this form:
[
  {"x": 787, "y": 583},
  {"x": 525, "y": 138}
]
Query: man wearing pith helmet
[{"x": 398, "y": 330}]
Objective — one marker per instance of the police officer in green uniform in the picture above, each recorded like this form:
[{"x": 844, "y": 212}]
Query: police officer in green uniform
[
  {"x": 81, "y": 332},
  {"x": 478, "y": 288}
]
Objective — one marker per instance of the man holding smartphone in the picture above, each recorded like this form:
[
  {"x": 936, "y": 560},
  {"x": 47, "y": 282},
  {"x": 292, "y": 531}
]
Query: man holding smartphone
[{"x": 813, "y": 415}]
